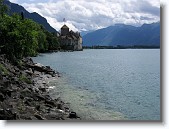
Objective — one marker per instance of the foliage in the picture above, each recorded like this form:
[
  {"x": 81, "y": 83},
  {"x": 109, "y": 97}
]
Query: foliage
[
  {"x": 53, "y": 43},
  {"x": 3, "y": 70},
  {"x": 24, "y": 79},
  {"x": 3, "y": 8},
  {"x": 18, "y": 37},
  {"x": 23, "y": 37}
]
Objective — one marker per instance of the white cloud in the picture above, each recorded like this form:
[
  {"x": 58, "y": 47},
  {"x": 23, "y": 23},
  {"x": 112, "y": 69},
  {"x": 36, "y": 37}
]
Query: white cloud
[
  {"x": 91, "y": 15},
  {"x": 14, "y": 1}
]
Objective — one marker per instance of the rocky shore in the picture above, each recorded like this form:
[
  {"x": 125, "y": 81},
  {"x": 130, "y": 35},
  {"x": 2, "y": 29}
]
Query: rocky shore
[{"x": 24, "y": 93}]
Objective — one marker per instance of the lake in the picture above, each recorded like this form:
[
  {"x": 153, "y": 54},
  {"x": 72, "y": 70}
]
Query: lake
[{"x": 108, "y": 84}]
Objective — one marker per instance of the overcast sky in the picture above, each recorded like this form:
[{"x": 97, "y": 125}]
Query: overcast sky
[{"x": 94, "y": 14}]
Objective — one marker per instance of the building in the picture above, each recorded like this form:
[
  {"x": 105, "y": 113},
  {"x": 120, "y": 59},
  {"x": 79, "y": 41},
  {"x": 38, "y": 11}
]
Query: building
[{"x": 70, "y": 40}]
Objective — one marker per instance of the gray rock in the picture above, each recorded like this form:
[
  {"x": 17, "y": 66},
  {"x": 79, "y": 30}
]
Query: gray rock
[
  {"x": 72, "y": 115},
  {"x": 26, "y": 93},
  {"x": 2, "y": 97},
  {"x": 39, "y": 117}
]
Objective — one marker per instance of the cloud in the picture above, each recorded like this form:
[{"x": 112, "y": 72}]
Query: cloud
[
  {"x": 92, "y": 15},
  {"x": 14, "y": 1},
  {"x": 28, "y": 1}
]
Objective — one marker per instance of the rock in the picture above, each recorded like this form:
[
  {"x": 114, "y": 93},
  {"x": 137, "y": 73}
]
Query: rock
[
  {"x": 27, "y": 103},
  {"x": 72, "y": 115},
  {"x": 41, "y": 68},
  {"x": 42, "y": 89},
  {"x": 2, "y": 97},
  {"x": 66, "y": 109},
  {"x": 26, "y": 117},
  {"x": 28, "y": 61},
  {"x": 12, "y": 70},
  {"x": 2, "y": 111},
  {"x": 28, "y": 99},
  {"x": 47, "y": 105},
  {"x": 50, "y": 102},
  {"x": 16, "y": 69},
  {"x": 22, "y": 101},
  {"x": 47, "y": 97},
  {"x": 53, "y": 75},
  {"x": 40, "y": 97},
  {"x": 26, "y": 93},
  {"x": 53, "y": 117},
  {"x": 38, "y": 107},
  {"x": 14, "y": 79},
  {"x": 8, "y": 93},
  {"x": 9, "y": 110},
  {"x": 6, "y": 81},
  {"x": 29, "y": 72},
  {"x": 48, "y": 67},
  {"x": 55, "y": 114},
  {"x": 14, "y": 97},
  {"x": 7, "y": 115},
  {"x": 39, "y": 117},
  {"x": 59, "y": 106}
]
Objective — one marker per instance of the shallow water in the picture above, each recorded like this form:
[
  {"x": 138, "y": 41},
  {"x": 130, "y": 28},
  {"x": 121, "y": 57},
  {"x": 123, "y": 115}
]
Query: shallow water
[{"x": 108, "y": 84}]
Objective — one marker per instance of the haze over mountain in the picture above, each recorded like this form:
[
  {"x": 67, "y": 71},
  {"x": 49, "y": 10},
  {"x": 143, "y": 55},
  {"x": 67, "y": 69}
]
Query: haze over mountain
[
  {"x": 15, "y": 8},
  {"x": 126, "y": 35}
]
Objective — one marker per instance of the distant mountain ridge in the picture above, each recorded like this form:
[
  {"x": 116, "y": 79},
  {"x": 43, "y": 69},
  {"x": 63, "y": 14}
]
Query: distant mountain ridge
[
  {"x": 15, "y": 8},
  {"x": 125, "y": 35},
  {"x": 83, "y": 33}
]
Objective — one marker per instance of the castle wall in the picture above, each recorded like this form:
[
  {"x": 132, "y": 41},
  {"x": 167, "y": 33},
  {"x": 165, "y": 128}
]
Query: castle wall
[
  {"x": 64, "y": 31},
  {"x": 70, "y": 40},
  {"x": 80, "y": 43}
]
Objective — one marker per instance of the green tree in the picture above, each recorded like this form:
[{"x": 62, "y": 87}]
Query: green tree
[
  {"x": 3, "y": 8},
  {"x": 53, "y": 43},
  {"x": 42, "y": 42},
  {"x": 19, "y": 36},
  {"x": 23, "y": 37}
]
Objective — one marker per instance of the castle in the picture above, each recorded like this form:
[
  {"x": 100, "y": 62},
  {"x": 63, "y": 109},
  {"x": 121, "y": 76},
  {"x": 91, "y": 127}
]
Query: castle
[{"x": 70, "y": 40}]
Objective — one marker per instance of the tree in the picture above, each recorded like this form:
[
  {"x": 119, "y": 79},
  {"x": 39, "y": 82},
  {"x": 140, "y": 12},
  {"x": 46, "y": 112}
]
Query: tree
[
  {"x": 3, "y": 8},
  {"x": 53, "y": 43},
  {"x": 21, "y": 37}
]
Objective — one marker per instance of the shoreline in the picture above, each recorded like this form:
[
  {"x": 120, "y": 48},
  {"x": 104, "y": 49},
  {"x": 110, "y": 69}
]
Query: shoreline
[{"x": 25, "y": 93}]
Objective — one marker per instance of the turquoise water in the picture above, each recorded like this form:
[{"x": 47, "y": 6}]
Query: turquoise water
[{"x": 108, "y": 84}]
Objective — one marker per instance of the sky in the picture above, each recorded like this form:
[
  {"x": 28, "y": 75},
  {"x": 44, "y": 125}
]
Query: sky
[{"x": 86, "y": 15}]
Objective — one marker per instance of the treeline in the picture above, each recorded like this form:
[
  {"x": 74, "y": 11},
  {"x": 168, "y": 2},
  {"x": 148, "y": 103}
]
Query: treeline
[
  {"x": 21, "y": 37},
  {"x": 122, "y": 47}
]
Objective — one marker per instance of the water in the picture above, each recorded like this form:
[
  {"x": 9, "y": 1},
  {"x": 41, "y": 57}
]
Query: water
[{"x": 108, "y": 84}]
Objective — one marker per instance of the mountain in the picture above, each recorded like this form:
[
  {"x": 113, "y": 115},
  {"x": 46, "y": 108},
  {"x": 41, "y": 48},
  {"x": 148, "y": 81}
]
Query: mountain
[
  {"x": 83, "y": 33},
  {"x": 126, "y": 35},
  {"x": 15, "y": 8}
]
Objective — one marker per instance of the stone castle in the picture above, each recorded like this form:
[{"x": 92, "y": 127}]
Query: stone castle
[{"x": 70, "y": 40}]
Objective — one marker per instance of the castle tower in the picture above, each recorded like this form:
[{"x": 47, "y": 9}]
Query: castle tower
[{"x": 64, "y": 30}]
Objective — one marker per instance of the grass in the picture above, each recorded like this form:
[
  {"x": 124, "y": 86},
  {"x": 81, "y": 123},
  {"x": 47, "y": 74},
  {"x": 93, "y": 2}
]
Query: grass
[
  {"x": 25, "y": 79},
  {"x": 19, "y": 62},
  {"x": 3, "y": 70}
]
